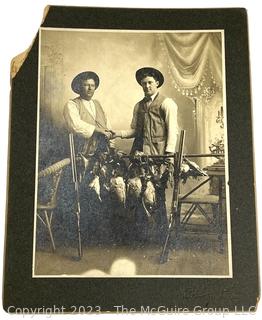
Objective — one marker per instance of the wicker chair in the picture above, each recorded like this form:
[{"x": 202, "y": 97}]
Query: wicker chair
[{"x": 46, "y": 206}]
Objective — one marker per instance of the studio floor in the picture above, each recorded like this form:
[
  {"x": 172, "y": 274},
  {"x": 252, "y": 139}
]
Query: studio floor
[{"x": 196, "y": 257}]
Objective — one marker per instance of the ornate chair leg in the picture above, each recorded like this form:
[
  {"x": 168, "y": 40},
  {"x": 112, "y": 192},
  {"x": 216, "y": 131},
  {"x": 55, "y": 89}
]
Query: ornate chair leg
[{"x": 48, "y": 224}]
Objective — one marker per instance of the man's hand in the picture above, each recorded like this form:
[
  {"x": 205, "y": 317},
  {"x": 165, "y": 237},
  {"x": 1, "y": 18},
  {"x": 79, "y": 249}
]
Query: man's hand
[
  {"x": 115, "y": 134},
  {"x": 171, "y": 159},
  {"x": 106, "y": 133}
]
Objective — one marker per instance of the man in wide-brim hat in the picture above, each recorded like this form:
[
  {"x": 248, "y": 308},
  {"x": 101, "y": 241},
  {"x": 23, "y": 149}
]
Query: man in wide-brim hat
[
  {"x": 85, "y": 116},
  {"x": 154, "y": 123},
  {"x": 154, "y": 127}
]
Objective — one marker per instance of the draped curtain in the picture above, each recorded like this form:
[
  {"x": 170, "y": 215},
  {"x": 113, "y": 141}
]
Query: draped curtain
[{"x": 194, "y": 62}]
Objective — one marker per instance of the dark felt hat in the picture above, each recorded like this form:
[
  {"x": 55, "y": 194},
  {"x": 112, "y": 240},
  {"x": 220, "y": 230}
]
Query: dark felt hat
[
  {"x": 75, "y": 85},
  {"x": 151, "y": 72}
]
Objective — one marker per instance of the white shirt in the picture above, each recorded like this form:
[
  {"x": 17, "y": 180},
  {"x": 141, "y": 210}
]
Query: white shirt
[
  {"x": 152, "y": 98},
  {"x": 75, "y": 123},
  {"x": 90, "y": 107},
  {"x": 170, "y": 110}
]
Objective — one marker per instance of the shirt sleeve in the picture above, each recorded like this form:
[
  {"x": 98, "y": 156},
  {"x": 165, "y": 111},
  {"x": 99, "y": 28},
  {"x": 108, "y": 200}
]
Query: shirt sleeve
[
  {"x": 170, "y": 110},
  {"x": 75, "y": 123},
  {"x": 131, "y": 132}
]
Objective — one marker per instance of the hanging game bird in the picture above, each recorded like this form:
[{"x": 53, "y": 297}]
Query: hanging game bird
[
  {"x": 149, "y": 196},
  {"x": 194, "y": 168},
  {"x": 118, "y": 189},
  {"x": 190, "y": 169},
  {"x": 134, "y": 187},
  {"x": 95, "y": 185}
]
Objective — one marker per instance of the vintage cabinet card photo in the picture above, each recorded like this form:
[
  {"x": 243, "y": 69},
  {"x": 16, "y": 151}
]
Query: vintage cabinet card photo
[
  {"x": 128, "y": 128},
  {"x": 124, "y": 193}
]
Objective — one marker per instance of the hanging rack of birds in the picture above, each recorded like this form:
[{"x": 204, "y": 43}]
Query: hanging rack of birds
[{"x": 128, "y": 186}]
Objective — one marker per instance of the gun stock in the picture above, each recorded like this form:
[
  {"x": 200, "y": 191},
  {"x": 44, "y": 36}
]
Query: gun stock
[{"x": 174, "y": 216}]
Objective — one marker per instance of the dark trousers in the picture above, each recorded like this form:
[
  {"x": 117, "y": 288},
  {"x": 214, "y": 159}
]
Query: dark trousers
[
  {"x": 159, "y": 215},
  {"x": 95, "y": 215}
]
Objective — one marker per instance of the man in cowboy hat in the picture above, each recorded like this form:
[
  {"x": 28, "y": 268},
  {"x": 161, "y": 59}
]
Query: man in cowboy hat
[
  {"x": 85, "y": 116},
  {"x": 154, "y": 123},
  {"x": 154, "y": 127}
]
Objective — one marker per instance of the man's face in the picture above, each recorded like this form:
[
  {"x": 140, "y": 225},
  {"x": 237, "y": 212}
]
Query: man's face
[
  {"x": 149, "y": 85},
  {"x": 87, "y": 89}
]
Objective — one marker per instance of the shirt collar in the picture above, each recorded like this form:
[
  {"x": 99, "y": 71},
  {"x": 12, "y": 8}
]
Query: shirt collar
[
  {"x": 152, "y": 98},
  {"x": 86, "y": 101}
]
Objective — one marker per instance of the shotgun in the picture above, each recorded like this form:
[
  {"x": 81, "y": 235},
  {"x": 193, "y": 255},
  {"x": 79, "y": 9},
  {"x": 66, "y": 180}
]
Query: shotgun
[
  {"x": 174, "y": 217},
  {"x": 76, "y": 183}
]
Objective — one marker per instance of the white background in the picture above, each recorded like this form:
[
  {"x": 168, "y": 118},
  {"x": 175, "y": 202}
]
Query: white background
[{"x": 20, "y": 21}]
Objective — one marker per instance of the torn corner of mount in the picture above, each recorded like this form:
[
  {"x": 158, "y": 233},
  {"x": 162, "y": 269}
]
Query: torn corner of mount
[{"x": 18, "y": 60}]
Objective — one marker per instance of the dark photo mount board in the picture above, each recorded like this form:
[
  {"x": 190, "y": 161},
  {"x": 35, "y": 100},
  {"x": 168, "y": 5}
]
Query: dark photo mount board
[{"x": 242, "y": 290}]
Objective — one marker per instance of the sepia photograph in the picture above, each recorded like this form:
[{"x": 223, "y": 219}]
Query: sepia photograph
[
  {"x": 130, "y": 169},
  {"x": 131, "y": 176}
]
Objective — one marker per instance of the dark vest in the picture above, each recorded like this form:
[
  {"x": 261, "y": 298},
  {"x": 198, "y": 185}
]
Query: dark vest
[
  {"x": 100, "y": 119},
  {"x": 151, "y": 127},
  {"x": 88, "y": 146}
]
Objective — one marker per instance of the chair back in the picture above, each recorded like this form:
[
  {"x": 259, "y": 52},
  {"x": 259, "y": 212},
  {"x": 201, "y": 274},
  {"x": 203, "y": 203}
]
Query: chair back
[{"x": 48, "y": 182}]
